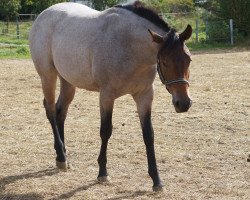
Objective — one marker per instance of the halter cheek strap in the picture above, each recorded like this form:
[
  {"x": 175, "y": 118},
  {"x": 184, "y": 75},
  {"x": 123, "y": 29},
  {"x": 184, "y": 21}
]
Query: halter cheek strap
[{"x": 166, "y": 82}]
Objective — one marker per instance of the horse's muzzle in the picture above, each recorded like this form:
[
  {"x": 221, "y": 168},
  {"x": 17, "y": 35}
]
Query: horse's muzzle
[{"x": 182, "y": 105}]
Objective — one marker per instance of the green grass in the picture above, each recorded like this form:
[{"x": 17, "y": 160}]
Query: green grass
[
  {"x": 8, "y": 40},
  {"x": 12, "y": 51},
  {"x": 208, "y": 46}
]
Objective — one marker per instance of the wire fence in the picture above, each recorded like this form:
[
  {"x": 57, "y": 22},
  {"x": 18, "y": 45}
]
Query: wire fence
[
  {"x": 204, "y": 30},
  {"x": 15, "y": 33},
  {"x": 19, "y": 28}
]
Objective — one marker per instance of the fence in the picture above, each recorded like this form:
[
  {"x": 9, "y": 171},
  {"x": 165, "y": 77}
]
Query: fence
[
  {"x": 19, "y": 28},
  {"x": 14, "y": 36},
  {"x": 216, "y": 31},
  {"x": 15, "y": 33},
  {"x": 219, "y": 30}
]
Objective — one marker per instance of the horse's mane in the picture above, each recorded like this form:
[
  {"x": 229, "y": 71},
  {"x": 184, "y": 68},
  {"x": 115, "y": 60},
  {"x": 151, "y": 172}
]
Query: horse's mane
[{"x": 148, "y": 13}]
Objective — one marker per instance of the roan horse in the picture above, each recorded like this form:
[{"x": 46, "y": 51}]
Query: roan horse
[{"x": 113, "y": 52}]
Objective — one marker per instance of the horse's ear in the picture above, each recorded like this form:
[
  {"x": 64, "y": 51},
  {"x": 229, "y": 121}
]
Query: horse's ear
[
  {"x": 186, "y": 34},
  {"x": 156, "y": 37}
]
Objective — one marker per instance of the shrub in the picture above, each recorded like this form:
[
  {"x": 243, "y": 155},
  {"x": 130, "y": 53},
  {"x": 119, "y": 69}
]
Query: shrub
[
  {"x": 171, "y": 5},
  {"x": 22, "y": 50},
  {"x": 218, "y": 31}
]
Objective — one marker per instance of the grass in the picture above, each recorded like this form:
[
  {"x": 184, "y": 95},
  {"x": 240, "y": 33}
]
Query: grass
[
  {"x": 13, "y": 48},
  {"x": 10, "y": 46},
  {"x": 208, "y": 46}
]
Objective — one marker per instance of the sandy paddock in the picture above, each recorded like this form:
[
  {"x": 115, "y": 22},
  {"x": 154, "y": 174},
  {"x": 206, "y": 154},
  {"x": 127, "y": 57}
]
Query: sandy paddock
[{"x": 201, "y": 154}]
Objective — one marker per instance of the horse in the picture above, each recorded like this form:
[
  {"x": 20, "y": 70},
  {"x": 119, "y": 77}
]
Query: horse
[{"x": 113, "y": 52}]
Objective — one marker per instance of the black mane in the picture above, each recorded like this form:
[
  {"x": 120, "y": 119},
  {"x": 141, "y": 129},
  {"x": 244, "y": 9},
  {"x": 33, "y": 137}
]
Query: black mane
[{"x": 147, "y": 13}]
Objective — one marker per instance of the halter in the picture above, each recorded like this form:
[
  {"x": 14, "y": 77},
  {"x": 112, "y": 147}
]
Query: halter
[{"x": 166, "y": 82}]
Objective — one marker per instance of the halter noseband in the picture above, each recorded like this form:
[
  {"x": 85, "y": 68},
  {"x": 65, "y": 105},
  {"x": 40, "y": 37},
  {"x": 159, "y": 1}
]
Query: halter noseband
[{"x": 166, "y": 82}]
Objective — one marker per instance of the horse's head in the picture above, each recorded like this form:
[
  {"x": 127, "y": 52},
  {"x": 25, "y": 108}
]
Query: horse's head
[{"x": 173, "y": 66}]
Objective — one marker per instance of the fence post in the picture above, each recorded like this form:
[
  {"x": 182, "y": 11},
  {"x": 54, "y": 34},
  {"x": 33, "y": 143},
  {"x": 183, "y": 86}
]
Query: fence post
[
  {"x": 17, "y": 28},
  {"x": 231, "y": 31},
  {"x": 197, "y": 31},
  {"x": 206, "y": 24}
]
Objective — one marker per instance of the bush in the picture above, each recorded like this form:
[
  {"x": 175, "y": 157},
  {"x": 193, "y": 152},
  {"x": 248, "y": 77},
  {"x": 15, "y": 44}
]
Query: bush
[
  {"x": 218, "y": 31},
  {"x": 171, "y": 5},
  {"x": 22, "y": 50}
]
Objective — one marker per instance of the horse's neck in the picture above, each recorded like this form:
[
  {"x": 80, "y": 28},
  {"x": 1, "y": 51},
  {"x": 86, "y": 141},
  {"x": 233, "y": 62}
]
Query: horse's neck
[{"x": 132, "y": 33}]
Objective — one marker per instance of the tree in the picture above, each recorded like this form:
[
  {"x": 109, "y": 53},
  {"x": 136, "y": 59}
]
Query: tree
[
  {"x": 9, "y": 8},
  {"x": 38, "y": 5},
  {"x": 239, "y": 11},
  {"x": 171, "y": 5},
  {"x": 26, "y": 6},
  {"x": 102, "y": 4}
]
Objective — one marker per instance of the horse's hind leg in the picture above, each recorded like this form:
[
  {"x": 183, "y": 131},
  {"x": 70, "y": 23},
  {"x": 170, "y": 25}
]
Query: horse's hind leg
[
  {"x": 67, "y": 92},
  {"x": 49, "y": 86}
]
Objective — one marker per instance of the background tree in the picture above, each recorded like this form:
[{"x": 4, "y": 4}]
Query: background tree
[
  {"x": 9, "y": 10},
  {"x": 26, "y": 6},
  {"x": 239, "y": 11},
  {"x": 171, "y": 5},
  {"x": 38, "y": 5},
  {"x": 102, "y": 4},
  {"x": 212, "y": 6}
]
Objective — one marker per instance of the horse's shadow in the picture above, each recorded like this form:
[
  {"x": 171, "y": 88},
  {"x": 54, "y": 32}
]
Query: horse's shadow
[
  {"x": 73, "y": 192},
  {"x": 125, "y": 195},
  {"x": 30, "y": 196},
  {"x": 34, "y": 196},
  {"x": 50, "y": 172},
  {"x": 11, "y": 179},
  {"x": 129, "y": 195}
]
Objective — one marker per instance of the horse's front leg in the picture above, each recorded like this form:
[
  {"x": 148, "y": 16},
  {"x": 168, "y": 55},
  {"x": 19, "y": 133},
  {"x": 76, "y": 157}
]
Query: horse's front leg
[
  {"x": 106, "y": 110},
  {"x": 144, "y": 103}
]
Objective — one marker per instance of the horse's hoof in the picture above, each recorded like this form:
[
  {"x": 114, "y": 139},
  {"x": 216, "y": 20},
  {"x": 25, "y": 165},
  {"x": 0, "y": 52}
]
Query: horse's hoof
[
  {"x": 62, "y": 165},
  {"x": 103, "y": 179},
  {"x": 158, "y": 188}
]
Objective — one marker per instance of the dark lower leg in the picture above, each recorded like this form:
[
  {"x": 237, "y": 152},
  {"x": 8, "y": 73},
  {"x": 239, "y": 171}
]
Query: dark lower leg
[
  {"x": 58, "y": 144},
  {"x": 105, "y": 133},
  {"x": 67, "y": 92},
  {"x": 60, "y": 119},
  {"x": 102, "y": 160},
  {"x": 148, "y": 136}
]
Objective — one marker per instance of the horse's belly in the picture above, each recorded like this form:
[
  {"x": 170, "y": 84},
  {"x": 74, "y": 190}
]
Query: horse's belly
[{"x": 78, "y": 77}]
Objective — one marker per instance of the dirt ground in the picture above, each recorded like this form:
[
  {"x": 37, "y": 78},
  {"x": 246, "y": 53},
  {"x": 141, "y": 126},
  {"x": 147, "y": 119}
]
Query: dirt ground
[{"x": 201, "y": 154}]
